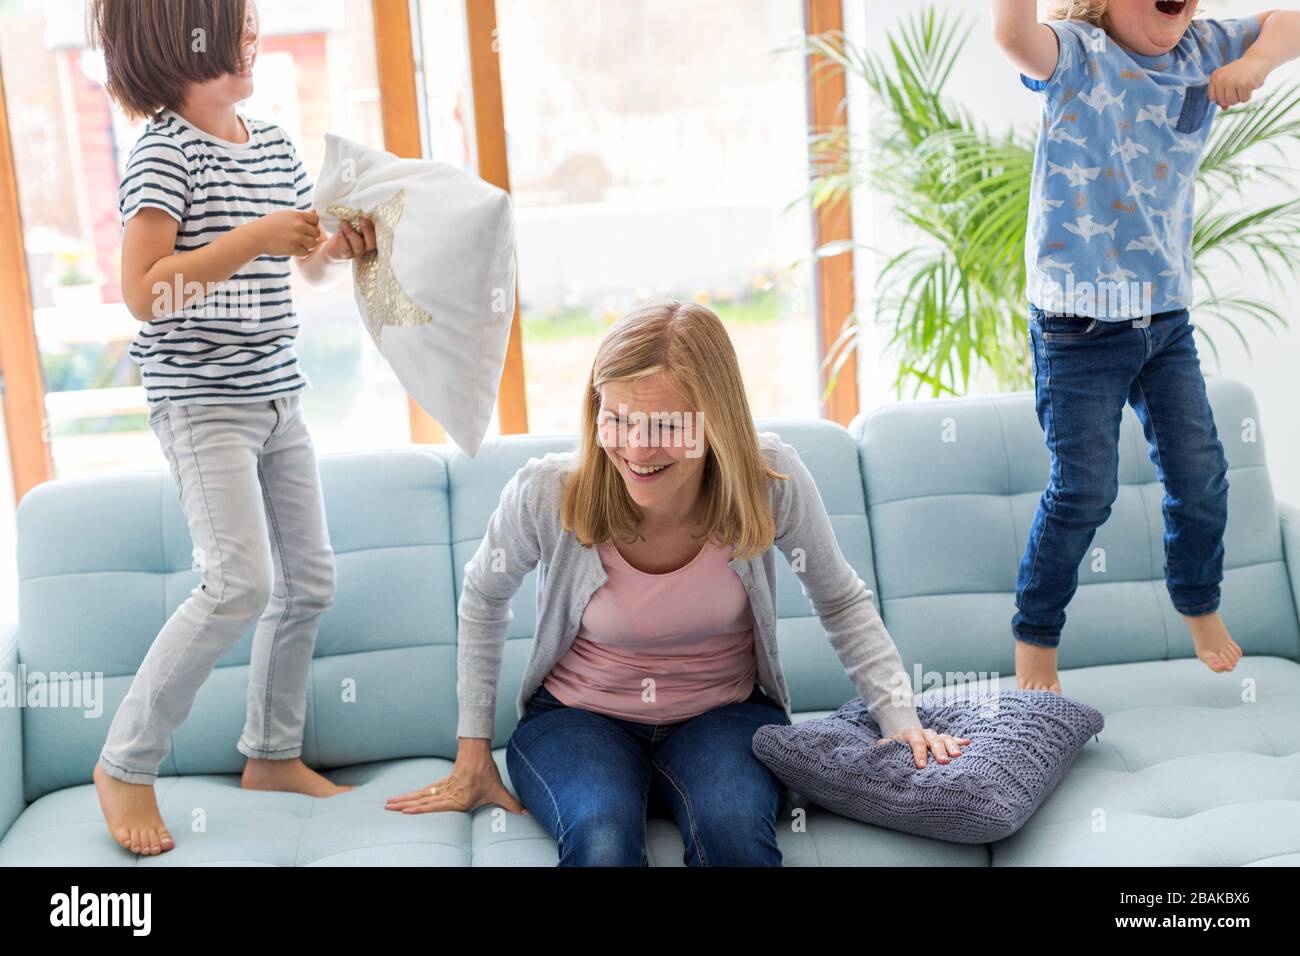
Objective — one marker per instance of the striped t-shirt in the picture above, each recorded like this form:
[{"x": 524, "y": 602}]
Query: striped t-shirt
[{"x": 235, "y": 344}]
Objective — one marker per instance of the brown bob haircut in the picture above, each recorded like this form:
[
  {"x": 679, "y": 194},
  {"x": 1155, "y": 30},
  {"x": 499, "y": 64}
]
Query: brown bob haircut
[{"x": 153, "y": 49}]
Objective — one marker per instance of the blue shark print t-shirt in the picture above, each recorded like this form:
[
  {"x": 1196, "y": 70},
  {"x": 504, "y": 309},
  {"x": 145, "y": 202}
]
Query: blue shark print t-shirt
[{"x": 1113, "y": 192}]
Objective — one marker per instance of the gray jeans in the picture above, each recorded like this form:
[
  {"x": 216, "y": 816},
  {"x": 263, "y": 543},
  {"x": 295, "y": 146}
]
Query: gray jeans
[{"x": 250, "y": 488}]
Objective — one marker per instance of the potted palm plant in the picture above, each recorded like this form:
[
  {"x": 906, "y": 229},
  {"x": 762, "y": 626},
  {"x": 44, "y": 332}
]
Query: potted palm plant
[{"x": 952, "y": 296}]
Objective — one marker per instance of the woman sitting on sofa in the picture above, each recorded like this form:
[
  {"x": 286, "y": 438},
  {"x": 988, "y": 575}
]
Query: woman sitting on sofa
[{"x": 656, "y": 627}]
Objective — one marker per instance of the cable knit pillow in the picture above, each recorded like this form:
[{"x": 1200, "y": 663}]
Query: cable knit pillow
[{"x": 1022, "y": 743}]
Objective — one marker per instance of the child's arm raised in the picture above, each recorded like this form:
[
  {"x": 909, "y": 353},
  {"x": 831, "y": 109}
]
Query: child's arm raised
[
  {"x": 152, "y": 269},
  {"x": 1030, "y": 45},
  {"x": 1278, "y": 43}
]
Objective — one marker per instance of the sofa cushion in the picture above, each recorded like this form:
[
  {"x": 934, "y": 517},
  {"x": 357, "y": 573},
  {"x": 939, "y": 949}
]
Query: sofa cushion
[
  {"x": 1193, "y": 768},
  {"x": 1022, "y": 743},
  {"x": 215, "y": 822},
  {"x": 244, "y": 828}
]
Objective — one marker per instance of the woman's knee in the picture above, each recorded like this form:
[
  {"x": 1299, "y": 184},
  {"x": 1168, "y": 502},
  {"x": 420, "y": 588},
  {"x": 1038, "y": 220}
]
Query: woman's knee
[
  {"x": 740, "y": 834},
  {"x": 592, "y": 825},
  {"x": 603, "y": 835}
]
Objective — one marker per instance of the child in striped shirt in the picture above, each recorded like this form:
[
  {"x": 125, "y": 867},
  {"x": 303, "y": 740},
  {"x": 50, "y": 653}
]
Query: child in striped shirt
[{"x": 214, "y": 206}]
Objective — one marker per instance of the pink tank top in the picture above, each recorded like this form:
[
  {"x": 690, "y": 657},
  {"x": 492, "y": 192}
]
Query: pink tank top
[{"x": 659, "y": 648}]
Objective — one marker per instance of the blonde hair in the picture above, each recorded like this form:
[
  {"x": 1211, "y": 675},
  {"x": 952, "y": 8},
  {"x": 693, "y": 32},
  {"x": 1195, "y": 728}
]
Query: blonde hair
[
  {"x": 688, "y": 342},
  {"x": 1092, "y": 11}
]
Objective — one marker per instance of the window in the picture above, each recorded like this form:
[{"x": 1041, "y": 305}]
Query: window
[
  {"x": 653, "y": 151},
  {"x": 316, "y": 72}
]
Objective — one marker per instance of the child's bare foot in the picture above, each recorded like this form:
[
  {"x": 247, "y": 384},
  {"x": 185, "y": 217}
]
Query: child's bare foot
[
  {"x": 131, "y": 812},
  {"x": 1214, "y": 645},
  {"x": 1036, "y": 667},
  {"x": 292, "y": 776}
]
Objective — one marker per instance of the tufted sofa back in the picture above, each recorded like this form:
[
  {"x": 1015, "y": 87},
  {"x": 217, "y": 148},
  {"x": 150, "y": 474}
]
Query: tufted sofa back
[{"x": 934, "y": 527}]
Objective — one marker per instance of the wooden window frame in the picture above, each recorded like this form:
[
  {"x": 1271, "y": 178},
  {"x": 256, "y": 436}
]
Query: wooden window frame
[
  {"x": 21, "y": 379},
  {"x": 494, "y": 167},
  {"x": 402, "y": 107},
  {"x": 834, "y": 291}
]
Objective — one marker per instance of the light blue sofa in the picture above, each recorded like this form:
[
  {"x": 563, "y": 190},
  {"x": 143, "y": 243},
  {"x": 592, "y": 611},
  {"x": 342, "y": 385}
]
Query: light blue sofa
[{"x": 931, "y": 502}]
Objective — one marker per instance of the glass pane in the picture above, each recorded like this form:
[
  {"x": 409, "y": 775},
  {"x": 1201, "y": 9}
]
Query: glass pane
[
  {"x": 654, "y": 149},
  {"x": 316, "y": 72}
]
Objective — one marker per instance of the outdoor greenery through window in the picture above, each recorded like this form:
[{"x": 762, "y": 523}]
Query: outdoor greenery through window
[{"x": 649, "y": 160}]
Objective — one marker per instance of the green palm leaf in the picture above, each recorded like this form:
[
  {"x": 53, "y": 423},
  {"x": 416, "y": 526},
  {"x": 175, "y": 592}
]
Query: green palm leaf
[{"x": 953, "y": 301}]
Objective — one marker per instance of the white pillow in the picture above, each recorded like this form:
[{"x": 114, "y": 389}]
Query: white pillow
[{"x": 439, "y": 294}]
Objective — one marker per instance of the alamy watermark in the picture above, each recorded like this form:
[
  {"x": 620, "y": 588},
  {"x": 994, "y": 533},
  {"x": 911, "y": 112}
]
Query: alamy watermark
[
  {"x": 231, "y": 299},
  {"x": 1112, "y": 296},
  {"x": 75, "y": 690}
]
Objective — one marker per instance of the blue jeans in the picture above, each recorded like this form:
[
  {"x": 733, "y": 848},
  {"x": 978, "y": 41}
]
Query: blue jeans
[
  {"x": 587, "y": 778},
  {"x": 1084, "y": 372}
]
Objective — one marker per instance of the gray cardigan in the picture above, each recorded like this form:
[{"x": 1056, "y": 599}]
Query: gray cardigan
[{"x": 525, "y": 530}]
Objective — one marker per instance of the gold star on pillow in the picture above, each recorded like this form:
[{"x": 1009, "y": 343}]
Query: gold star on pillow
[{"x": 386, "y": 302}]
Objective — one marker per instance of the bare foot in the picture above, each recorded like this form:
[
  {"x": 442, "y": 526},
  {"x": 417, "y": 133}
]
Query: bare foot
[
  {"x": 292, "y": 776},
  {"x": 1036, "y": 667},
  {"x": 131, "y": 812},
  {"x": 1214, "y": 645}
]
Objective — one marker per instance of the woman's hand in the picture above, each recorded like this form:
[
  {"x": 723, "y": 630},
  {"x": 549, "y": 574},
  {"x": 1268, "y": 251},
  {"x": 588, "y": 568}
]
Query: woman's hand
[
  {"x": 349, "y": 243},
  {"x": 474, "y": 780},
  {"x": 920, "y": 740}
]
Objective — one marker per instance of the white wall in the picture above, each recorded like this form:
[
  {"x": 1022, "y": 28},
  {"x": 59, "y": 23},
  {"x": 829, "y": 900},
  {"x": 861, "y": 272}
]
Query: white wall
[{"x": 987, "y": 85}]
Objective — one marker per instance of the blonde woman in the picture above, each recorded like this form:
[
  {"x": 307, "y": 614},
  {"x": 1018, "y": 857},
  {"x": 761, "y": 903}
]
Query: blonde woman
[{"x": 655, "y": 656}]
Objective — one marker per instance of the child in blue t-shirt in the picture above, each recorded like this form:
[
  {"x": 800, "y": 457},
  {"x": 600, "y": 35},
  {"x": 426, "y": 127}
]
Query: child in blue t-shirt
[{"x": 1129, "y": 90}]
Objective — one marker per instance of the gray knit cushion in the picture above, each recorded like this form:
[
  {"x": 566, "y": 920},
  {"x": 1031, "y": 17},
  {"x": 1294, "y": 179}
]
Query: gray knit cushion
[{"x": 1022, "y": 743}]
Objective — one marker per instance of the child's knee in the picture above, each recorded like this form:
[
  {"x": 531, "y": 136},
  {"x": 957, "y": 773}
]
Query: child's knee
[
  {"x": 1200, "y": 480},
  {"x": 1085, "y": 502},
  {"x": 317, "y": 580},
  {"x": 240, "y": 589}
]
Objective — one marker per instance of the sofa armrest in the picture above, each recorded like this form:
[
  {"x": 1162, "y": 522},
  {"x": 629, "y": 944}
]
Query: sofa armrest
[
  {"x": 1291, "y": 546},
  {"x": 12, "y": 802}
]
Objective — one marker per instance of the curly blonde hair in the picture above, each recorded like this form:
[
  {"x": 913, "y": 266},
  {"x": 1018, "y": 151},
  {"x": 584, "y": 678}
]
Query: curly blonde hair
[{"x": 1093, "y": 11}]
